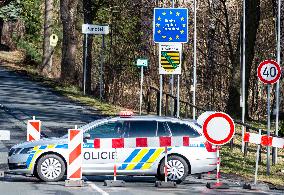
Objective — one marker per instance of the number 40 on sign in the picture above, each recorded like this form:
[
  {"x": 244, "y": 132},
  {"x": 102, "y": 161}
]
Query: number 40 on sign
[{"x": 269, "y": 71}]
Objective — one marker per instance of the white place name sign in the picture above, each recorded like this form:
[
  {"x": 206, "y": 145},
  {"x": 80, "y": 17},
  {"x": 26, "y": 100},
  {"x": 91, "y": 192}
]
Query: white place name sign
[{"x": 95, "y": 29}]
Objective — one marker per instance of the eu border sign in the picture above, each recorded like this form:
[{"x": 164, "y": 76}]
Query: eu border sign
[{"x": 170, "y": 25}]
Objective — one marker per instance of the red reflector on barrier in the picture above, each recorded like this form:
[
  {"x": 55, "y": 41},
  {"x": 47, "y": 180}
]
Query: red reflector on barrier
[
  {"x": 165, "y": 141},
  {"x": 246, "y": 137},
  {"x": 185, "y": 141},
  {"x": 266, "y": 140},
  {"x": 141, "y": 142},
  {"x": 118, "y": 143},
  {"x": 97, "y": 143}
]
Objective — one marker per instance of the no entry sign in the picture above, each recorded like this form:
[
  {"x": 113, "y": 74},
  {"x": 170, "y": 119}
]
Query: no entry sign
[
  {"x": 269, "y": 71},
  {"x": 218, "y": 128}
]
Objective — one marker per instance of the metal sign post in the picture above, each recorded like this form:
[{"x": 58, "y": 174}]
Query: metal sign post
[
  {"x": 141, "y": 63},
  {"x": 178, "y": 83},
  {"x": 268, "y": 130},
  {"x": 277, "y": 85},
  {"x": 141, "y": 90},
  {"x": 85, "y": 63},
  {"x": 161, "y": 95},
  {"x": 269, "y": 73},
  {"x": 194, "y": 63},
  {"x": 244, "y": 74},
  {"x": 96, "y": 30}
]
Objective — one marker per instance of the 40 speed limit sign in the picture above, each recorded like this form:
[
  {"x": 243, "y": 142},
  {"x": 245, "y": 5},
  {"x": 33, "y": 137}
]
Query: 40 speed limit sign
[{"x": 269, "y": 71}]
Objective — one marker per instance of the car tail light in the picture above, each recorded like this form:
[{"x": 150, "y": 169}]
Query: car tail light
[{"x": 209, "y": 147}]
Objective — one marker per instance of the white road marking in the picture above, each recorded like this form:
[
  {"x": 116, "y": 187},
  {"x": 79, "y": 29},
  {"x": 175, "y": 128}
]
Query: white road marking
[{"x": 95, "y": 187}]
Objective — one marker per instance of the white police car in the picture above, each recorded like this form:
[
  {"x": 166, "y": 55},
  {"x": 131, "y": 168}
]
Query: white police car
[{"x": 46, "y": 158}]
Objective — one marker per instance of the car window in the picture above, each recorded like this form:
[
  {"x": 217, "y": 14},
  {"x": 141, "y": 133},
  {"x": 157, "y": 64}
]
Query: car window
[
  {"x": 107, "y": 130},
  {"x": 162, "y": 129},
  {"x": 142, "y": 128},
  {"x": 178, "y": 129}
]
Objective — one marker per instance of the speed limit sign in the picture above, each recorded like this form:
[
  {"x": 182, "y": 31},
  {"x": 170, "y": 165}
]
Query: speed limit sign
[{"x": 269, "y": 71}]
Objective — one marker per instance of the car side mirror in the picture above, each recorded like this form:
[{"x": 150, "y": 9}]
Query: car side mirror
[{"x": 86, "y": 136}]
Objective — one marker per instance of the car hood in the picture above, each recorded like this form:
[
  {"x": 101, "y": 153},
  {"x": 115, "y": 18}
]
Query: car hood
[{"x": 41, "y": 142}]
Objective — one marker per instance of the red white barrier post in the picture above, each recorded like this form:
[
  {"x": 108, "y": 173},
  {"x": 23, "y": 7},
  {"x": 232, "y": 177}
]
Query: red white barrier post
[
  {"x": 115, "y": 143},
  {"x": 218, "y": 129},
  {"x": 33, "y": 130},
  {"x": 166, "y": 164},
  {"x": 263, "y": 140},
  {"x": 74, "y": 167}
]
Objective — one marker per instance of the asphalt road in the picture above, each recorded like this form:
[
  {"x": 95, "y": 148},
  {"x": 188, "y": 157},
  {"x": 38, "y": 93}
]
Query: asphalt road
[{"x": 21, "y": 98}]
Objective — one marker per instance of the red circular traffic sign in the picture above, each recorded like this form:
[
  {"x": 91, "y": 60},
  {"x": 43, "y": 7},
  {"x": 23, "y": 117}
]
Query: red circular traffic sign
[
  {"x": 218, "y": 128},
  {"x": 269, "y": 71}
]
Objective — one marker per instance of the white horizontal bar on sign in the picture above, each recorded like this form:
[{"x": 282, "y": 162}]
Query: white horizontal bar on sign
[
  {"x": 255, "y": 138},
  {"x": 278, "y": 142},
  {"x": 95, "y": 29},
  {"x": 4, "y": 135}
]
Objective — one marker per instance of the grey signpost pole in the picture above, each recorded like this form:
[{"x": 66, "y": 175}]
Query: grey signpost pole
[
  {"x": 85, "y": 63},
  {"x": 141, "y": 90},
  {"x": 161, "y": 95},
  {"x": 172, "y": 93},
  {"x": 178, "y": 83},
  {"x": 277, "y": 85},
  {"x": 101, "y": 68},
  {"x": 243, "y": 74},
  {"x": 268, "y": 130},
  {"x": 194, "y": 63}
]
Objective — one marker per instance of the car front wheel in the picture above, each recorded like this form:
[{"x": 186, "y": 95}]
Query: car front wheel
[
  {"x": 50, "y": 168},
  {"x": 177, "y": 169}
]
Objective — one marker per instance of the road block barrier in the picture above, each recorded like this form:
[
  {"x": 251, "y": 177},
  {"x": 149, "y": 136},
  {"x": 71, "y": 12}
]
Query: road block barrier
[
  {"x": 74, "y": 166},
  {"x": 264, "y": 140},
  {"x": 33, "y": 129},
  {"x": 165, "y": 141}
]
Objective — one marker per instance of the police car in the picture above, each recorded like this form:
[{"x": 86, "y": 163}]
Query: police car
[{"x": 46, "y": 158}]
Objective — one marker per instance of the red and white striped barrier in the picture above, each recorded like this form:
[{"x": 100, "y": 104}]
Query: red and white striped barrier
[
  {"x": 142, "y": 142},
  {"x": 264, "y": 140},
  {"x": 33, "y": 129},
  {"x": 74, "y": 169}
]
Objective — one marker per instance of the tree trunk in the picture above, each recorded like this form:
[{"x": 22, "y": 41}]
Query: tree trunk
[
  {"x": 68, "y": 11},
  {"x": 47, "y": 49},
  {"x": 88, "y": 19},
  {"x": 252, "y": 24},
  {"x": 1, "y": 29}
]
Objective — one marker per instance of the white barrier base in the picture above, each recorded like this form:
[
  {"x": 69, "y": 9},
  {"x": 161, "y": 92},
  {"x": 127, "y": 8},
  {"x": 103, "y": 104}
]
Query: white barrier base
[
  {"x": 114, "y": 183},
  {"x": 163, "y": 184},
  {"x": 74, "y": 183}
]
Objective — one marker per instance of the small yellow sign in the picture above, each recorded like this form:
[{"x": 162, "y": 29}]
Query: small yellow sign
[{"x": 53, "y": 40}]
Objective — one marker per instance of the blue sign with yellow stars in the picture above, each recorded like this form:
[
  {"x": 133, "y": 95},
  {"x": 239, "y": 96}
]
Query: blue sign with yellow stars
[{"x": 170, "y": 25}]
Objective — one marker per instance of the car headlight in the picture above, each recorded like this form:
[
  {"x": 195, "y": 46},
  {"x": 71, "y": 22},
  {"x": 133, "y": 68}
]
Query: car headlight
[{"x": 26, "y": 150}]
